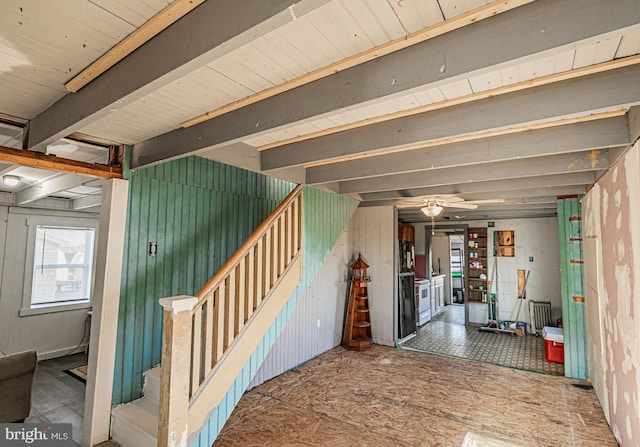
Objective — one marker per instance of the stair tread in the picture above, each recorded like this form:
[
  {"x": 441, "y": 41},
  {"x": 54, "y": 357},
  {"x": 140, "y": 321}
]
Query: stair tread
[
  {"x": 151, "y": 389},
  {"x": 141, "y": 413},
  {"x": 153, "y": 372}
]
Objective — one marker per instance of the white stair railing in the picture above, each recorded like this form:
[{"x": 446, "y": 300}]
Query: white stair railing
[{"x": 200, "y": 332}]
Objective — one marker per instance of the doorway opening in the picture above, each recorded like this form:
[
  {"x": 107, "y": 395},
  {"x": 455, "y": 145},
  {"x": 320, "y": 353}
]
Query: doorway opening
[
  {"x": 451, "y": 329},
  {"x": 456, "y": 272}
]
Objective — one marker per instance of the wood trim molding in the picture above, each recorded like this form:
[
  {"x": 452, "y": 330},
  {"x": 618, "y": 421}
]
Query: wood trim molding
[
  {"x": 562, "y": 76},
  {"x": 44, "y": 161},
  {"x": 473, "y": 16},
  {"x": 167, "y": 16}
]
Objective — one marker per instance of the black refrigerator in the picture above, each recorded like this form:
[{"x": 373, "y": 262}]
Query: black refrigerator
[{"x": 406, "y": 290}]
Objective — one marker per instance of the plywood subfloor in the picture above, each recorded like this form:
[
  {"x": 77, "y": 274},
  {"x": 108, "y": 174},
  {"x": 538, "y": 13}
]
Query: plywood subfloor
[{"x": 391, "y": 397}]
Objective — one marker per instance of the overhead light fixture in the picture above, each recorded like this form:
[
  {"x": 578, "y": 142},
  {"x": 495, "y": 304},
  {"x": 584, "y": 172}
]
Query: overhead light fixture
[
  {"x": 432, "y": 210},
  {"x": 10, "y": 180}
]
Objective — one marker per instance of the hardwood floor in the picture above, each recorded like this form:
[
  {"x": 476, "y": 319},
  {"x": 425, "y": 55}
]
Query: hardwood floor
[
  {"x": 58, "y": 397},
  {"x": 393, "y": 397}
]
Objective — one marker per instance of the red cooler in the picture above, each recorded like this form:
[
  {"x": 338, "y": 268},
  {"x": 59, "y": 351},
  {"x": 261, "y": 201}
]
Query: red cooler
[{"x": 553, "y": 344}]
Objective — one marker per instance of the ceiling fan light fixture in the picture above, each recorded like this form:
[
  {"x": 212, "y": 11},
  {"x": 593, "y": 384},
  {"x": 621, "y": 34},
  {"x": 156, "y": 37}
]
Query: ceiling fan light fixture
[
  {"x": 10, "y": 180},
  {"x": 432, "y": 211}
]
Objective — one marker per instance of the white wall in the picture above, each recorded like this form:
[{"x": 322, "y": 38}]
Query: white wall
[
  {"x": 440, "y": 250},
  {"x": 50, "y": 334},
  {"x": 302, "y": 339},
  {"x": 533, "y": 237},
  {"x": 611, "y": 234},
  {"x": 371, "y": 232},
  {"x": 420, "y": 236},
  {"x": 375, "y": 235}
]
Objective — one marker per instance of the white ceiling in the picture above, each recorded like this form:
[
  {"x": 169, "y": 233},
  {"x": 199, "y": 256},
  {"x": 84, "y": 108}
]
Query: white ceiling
[{"x": 38, "y": 56}]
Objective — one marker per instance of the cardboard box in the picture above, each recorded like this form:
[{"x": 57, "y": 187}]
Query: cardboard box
[{"x": 553, "y": 344}]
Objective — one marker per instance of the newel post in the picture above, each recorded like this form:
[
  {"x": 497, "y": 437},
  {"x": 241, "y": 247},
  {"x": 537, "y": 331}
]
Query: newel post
[{"x": 175, "y": 373}]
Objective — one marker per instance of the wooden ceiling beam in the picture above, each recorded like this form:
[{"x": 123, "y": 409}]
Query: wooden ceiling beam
[
  {"x": 452, "y": 56},
  {"x": 575, "y": 99},
  {"x": 557, "y": 77},
  {"x": 473, "y": 16},
  {"x": 553, "y": 138},
  {"x": 553, "y": 164},
  {"x": 489, "y": 188},
  {"x": 43, "y": 161},
  {"x": 214, "y": 30},
  {"x": 167, "y": 16}
]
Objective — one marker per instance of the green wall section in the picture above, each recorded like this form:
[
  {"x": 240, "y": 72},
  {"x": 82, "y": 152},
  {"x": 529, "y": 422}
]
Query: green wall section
[
  {"x": 199, "y": 212},
  {"x": 572, "y": 280},
  {"x": 325, "y": 216}
]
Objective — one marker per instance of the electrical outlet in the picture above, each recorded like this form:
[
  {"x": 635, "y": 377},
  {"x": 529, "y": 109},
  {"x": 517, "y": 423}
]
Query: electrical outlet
[{"x": 318, "y": 323}]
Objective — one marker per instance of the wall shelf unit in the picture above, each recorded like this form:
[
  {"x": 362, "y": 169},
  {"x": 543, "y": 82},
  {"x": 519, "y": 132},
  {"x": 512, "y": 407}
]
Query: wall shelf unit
[{"x": 477, "y": 265}]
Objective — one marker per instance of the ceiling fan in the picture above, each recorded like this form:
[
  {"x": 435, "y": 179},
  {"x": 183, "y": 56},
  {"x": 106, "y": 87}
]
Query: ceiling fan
[{"x": 432, "y": 206}]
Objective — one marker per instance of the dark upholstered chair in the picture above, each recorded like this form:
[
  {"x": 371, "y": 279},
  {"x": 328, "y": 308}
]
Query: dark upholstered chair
[{"x": 16, "y": 380}]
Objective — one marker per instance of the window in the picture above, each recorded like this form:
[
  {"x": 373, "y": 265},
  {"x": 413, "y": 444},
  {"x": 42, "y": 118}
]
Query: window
[{"x": 63, "y": 265}]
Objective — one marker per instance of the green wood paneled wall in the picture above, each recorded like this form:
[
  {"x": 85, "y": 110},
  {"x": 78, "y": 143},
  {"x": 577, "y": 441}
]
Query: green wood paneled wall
[
  {"x": 199, "y": 212},
  {"x": 572, "y": 280},
  {"x": 325, "y": 217}
]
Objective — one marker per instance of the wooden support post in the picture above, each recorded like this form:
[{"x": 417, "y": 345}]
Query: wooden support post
[{"x": 175, "y": 375}]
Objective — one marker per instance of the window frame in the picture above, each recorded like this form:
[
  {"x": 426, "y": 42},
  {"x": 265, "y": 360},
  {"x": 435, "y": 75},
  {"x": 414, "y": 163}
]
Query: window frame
[{"x": 32, "y": 224}]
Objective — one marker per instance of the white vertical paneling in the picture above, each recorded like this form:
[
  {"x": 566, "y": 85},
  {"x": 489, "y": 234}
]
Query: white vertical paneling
[
  {"x": 290, "y": 50},
  {"x": 601, "y": 51},
  {"x": 630, "y": 44},
  {"x": 405, "y": 102},
  {"x": 262, "y": 65},
  {"x": 387, "y": 19},
  {"x": 452, "y": 8},
  {"x": 305, "y": 37},
  {"x": 135, "y": 13},
  {"x": 375, "y": 236},
  {"x": 289, "y": 65},
  {"x": 456, "y": 89},
  {"x": 259, "y": 141},
  {"x": 338, "y": 26},
  {"x": 367, "y": 20},
  {"x": 417, "y": 14},
  {"x": 302, "y": 339},
  {"x": 230, "y": 65},
  {"x": 435, "y": 94},
  {"x": 485, "y": 81},
  {"x": 323, "y": 123}
]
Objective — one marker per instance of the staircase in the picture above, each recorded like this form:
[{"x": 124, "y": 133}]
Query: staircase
[
  {"x": 136, "y": 423},
  {"x": 210, "y": 341}
]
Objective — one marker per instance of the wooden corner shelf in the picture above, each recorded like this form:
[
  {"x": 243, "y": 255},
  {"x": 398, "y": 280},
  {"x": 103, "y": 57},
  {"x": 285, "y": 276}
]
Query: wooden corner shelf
[
  {"x": 477, "y": 265},
  {"x": 357, "y": 325}
]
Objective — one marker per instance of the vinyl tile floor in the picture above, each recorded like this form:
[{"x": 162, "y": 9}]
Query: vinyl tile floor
[
  {"x": 386, "y": 397},
  {"x": 57, "y": 397},
  {"x": 447, "y": 335}
]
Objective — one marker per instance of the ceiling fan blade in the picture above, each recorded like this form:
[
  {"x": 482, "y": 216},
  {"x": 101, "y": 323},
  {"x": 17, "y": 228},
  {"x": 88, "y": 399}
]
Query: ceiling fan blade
[
  {"x": 408, "y": 204},
  {"x": 485, "y": 201},
  {"x": 465, "y": 205}
]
